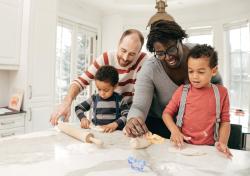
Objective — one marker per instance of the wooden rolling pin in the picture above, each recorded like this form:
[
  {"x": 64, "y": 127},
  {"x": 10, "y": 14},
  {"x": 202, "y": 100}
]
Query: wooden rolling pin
[{"x": 79, "y": 134}]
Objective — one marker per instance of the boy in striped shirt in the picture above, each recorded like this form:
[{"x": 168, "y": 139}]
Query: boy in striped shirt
[{"x": 109, "y": 109}]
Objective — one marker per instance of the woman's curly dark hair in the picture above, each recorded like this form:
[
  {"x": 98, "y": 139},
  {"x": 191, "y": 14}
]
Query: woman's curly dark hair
[{"x": 162, "y": 31}]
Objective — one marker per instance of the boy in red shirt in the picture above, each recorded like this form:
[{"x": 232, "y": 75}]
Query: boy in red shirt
[{"x": 203, "y": 112}]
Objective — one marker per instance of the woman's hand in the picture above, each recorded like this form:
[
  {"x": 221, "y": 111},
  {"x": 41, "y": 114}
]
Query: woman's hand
[{"x": 135, "y": 127}]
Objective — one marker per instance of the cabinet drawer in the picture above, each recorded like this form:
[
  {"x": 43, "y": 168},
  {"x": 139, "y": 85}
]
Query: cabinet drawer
[
  {"x": 11, "y": 132},
  {"x": 12, "y": 121}
]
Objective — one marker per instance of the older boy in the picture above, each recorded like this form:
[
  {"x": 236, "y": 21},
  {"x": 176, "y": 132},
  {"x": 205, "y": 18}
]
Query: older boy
[{"x": 203, "y": 108}]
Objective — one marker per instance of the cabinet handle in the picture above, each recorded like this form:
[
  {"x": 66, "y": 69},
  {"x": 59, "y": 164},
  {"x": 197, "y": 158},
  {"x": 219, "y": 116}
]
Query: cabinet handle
[
  {"x": 7, "y": 123},
  {"x": 7, "y": 134},
  {"x": 30, "y": 91},
  {"x": 30, "y": 115}
]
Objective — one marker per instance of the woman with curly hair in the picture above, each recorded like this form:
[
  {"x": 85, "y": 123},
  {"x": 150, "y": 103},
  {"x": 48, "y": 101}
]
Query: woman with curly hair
[{"x": 158, "y": 79}]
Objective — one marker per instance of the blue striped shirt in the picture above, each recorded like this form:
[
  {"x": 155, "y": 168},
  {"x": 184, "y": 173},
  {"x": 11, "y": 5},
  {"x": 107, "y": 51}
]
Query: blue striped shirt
[{"x": 105, "y": 111}]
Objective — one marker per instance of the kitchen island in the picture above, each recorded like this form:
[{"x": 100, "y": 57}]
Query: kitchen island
[{"x": 54, "y": 153}]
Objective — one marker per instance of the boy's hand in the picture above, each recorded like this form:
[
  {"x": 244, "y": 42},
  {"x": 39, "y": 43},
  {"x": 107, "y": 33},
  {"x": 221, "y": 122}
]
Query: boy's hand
[
  {"x": 224, "y": 149},
  {"x": 85, "y": 123},
  {"x": 110, "y": 127},
  {"x": 178, "y": 138}
]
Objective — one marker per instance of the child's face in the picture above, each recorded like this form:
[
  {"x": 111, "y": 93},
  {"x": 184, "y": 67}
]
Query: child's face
[
  {"x": 105, "y": 89},
  {"x": 199, "y": 72}
]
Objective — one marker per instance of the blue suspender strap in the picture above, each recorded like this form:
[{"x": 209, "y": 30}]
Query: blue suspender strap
[
  {"x": 217, "y": 121},
  {"x": 183, "y": 103},
  {"x": 181, "y": 110},
  {"x": 117, "y": 109},
  {"x": 94, "y": 109}
]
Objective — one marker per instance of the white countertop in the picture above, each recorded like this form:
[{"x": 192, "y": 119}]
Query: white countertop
[{"x": 56, "y": 154}]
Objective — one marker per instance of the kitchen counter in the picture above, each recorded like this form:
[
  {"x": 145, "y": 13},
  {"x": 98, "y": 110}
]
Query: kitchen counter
[{"x": 54, "y": 153}]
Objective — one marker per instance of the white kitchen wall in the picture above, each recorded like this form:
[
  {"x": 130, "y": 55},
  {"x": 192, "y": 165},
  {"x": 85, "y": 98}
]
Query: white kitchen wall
[
  {"x": 4, "y": 87},
  {"x": 76, "y": 11},
  {"x": 18, "y": 79},
  {"x": 112, "y": 28}
]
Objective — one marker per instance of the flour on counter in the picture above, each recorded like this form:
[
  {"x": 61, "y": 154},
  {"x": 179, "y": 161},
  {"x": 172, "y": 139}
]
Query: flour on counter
[
  {"x": 38, "y": 134},
  {"x": 176, "y": 169},
  {"x": 120, "y": 172},
  {"x": 82, "y": 148}
]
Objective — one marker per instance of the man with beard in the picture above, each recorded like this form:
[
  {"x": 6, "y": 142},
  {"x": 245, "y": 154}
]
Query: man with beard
[
  {"x": 158, "y": 79},
  {"x": 127, "y": 60}
]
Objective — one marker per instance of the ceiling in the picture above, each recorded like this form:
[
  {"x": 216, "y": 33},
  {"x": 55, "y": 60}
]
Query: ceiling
[{"x": 111, "y": 6}]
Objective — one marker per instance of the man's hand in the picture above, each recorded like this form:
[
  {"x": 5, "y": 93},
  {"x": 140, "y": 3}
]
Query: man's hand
[
  {"x": 85, "y": 123},
  {"x": 224, "y": 149},
  {"x": 135, "y": 127},
  {"x": 63, "y": 110},
  {"x": 109, "y": 127}
]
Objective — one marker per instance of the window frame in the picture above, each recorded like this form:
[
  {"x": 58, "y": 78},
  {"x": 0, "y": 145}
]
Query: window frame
[
  {"x": 226, "y": 28},
  {"x": 77, "y": 28}
]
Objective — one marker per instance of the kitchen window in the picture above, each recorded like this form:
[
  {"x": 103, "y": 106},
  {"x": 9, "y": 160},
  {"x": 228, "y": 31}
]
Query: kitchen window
[
  {"x": 75, "y": 50},
  {"x": 199, "y": 35},
  {"x": 238, "y": 52}
]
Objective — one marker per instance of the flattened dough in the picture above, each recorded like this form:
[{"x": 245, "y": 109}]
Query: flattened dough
[{"x": 186, "y": 151}]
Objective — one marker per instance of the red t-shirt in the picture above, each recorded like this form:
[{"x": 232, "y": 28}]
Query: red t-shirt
[{"x": 200, "y": 112}]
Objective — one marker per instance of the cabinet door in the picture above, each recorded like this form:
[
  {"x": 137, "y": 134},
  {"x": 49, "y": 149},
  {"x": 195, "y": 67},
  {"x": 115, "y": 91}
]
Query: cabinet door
[
  {"x": 42, "y": 52},
  {"x": 10, "y": 33}
]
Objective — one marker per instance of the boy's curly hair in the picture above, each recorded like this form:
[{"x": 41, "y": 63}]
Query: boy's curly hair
[
  {"x": 108, "y": 74},
  {"x": 204, "y": 50}
]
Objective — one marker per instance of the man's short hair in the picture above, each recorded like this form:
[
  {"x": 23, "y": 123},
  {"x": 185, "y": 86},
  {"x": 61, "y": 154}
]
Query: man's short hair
[
  {"x": 107, "y": 74},
  {"x": 132, "y": 31}
]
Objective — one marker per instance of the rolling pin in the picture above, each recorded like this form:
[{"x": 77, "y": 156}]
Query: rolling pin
[{"x": 79, "y": 134}]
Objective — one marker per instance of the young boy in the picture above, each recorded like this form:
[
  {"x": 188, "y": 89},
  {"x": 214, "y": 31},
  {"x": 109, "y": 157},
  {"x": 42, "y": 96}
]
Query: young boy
[
  {"x": 109, "y": 110},
  {"x": 203, "y": 108}
]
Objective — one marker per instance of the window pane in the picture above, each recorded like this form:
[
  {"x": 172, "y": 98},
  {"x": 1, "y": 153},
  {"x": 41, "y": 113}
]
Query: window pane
[
  {"x": 235, "y": 94},
  {"x": 245, "y": 44},
  {"x": 239, "y": 52},
  {"x": 201, "y": 39},
  {"x": 63, "y": 60},
  {"x": 234, "y": 37},
  {"x": 200, "y": 35},
  {"x": 245, "y": 66},
  {"x": 235, "y": 64},
  {"x": 245, "y": 96},
  {"x": 83, "y": 45},
  {"x": 85, "y": 54}
]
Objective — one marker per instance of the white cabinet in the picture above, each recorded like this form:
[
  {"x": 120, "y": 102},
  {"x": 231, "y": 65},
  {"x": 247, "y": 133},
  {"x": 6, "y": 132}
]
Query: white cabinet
[
  {"x": 10, "y": 33},
  {"x": 12, "y": 124},
  {"x": 41, "y": 63},
  {"x": 36, "y": 70}
]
